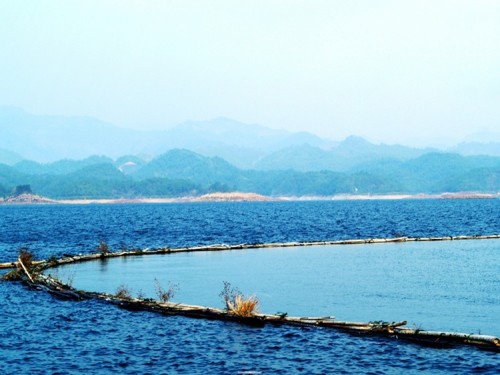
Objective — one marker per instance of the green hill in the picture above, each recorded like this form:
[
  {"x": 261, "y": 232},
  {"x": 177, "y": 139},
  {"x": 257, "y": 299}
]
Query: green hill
[
  {"x": 182, "y": 172},
  {"x": 188, "y": 165}
]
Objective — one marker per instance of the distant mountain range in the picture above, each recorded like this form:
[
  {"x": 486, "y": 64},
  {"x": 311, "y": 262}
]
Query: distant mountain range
[
  {"x": 247, "y": 146},
  {"x": 84, "y": 158},
  {"x": 51, "y": 138}
]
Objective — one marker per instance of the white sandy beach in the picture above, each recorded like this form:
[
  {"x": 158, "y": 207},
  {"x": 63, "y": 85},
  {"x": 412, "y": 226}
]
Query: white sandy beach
[{"x": 243, "y": 197}]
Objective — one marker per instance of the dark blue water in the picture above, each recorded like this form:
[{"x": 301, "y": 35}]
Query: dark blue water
[
  {"x": 41, "y": 334},
  {"x": 55, "y": 230}
]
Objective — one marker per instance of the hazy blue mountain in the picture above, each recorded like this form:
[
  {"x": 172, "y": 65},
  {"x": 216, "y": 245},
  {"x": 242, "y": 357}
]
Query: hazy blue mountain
[
  {"x": 348, "y": 154},
  {"x": 49, "y": 138},
  {"x": 247, "y": 146},
  {"x": 302, "y": 158},
  {"x": 223, "y": 131},
  {"x": 439, "y": 172},
  {"x": 354, "y": 146},
  {"x": 59, "y": 167},
  {"x": 239, "y": 143},
  {"x": 9, "y": 157}
]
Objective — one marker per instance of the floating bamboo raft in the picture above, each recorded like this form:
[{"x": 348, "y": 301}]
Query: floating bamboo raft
[
  {"x": 396, "y": 330},
  {"x": 243, "y": 246},
  {"x": 388, "y": 329}
]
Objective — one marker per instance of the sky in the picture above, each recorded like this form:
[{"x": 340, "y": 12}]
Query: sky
[{"x": 410, "y": 72}]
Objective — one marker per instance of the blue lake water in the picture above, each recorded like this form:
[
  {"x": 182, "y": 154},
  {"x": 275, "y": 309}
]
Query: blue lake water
[{"x": 450, "y": 285}]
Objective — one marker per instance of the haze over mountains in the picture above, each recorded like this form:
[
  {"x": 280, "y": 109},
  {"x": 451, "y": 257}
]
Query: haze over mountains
[
  {"x": 51, "y": 138},
  {"x": 80, "y": 157}
]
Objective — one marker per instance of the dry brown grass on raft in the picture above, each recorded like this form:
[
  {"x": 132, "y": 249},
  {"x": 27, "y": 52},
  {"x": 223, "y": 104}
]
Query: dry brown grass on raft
[
  {"x": 123, "y": 292},
  {"x": 235, "y": 303},
  {"x": 245, "y": 307}
]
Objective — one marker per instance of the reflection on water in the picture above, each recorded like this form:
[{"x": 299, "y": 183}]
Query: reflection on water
[{"x": 451, "y": 285}]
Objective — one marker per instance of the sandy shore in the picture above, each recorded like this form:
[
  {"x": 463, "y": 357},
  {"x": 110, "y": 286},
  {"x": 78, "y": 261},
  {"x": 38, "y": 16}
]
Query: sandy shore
[{"x": 245, "y": 197}]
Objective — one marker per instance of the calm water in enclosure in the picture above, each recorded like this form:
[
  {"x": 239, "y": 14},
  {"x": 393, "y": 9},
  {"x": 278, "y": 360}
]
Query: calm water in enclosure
[
  {"x": 41, "y": 334},
  {"x": 450, "y": 285}
]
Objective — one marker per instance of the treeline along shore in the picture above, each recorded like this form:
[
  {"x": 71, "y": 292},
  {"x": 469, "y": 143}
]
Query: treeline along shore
[{"x": 183, "y": 173}]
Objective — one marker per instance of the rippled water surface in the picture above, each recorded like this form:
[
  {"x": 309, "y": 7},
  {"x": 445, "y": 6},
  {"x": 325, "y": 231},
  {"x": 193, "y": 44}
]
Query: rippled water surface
[{"x": 41, "y": 334}]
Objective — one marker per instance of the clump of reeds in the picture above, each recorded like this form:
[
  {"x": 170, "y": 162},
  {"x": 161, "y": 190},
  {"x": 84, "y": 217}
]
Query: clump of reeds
[
  {"x": 236, "y": 303},
  {"x": 165, "y": 295},
  {"x": 245, "y": 306},
  {"x": 123, "y": 292},
  {"x": 103, "y": 248}
]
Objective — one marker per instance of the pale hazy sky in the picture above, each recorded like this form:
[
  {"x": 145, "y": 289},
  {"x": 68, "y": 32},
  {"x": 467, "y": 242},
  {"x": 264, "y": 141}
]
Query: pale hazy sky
[{"x": 411, "y": 72}]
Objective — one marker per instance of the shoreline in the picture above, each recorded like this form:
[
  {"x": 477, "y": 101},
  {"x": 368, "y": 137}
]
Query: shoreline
[{"x": 26, "y": 199}]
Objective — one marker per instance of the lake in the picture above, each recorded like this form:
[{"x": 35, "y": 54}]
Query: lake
[{"x": 450, "y": 285}]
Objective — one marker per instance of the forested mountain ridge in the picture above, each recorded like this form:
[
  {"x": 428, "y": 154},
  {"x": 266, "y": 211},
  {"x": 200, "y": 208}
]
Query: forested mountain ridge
[{"x": 182, "y": 172}]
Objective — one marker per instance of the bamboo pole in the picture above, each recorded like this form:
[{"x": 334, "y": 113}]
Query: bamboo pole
[
  {"x": 469, "y": 338},
  {"x": 24, "y": 268}
]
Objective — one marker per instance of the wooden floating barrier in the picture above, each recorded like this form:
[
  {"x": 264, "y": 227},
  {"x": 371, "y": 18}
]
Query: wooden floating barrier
[
  {"x": 243, "y": 246},
  {"x": 443, "y": 339},
  {"x": 9, "y": 265},
  {"x": 388, "y": 329},
  {"x": 395, "y": 330}
]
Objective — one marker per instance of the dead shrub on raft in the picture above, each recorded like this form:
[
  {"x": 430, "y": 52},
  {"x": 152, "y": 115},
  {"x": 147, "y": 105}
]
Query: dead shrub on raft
[
  {"x": 103, "y": 248},
  {"x": 123, "y": 292},
  {"x": 26, "y": 258},
  {"x": 166, "y": 295},
  {"x": 236, "y": 303}
]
